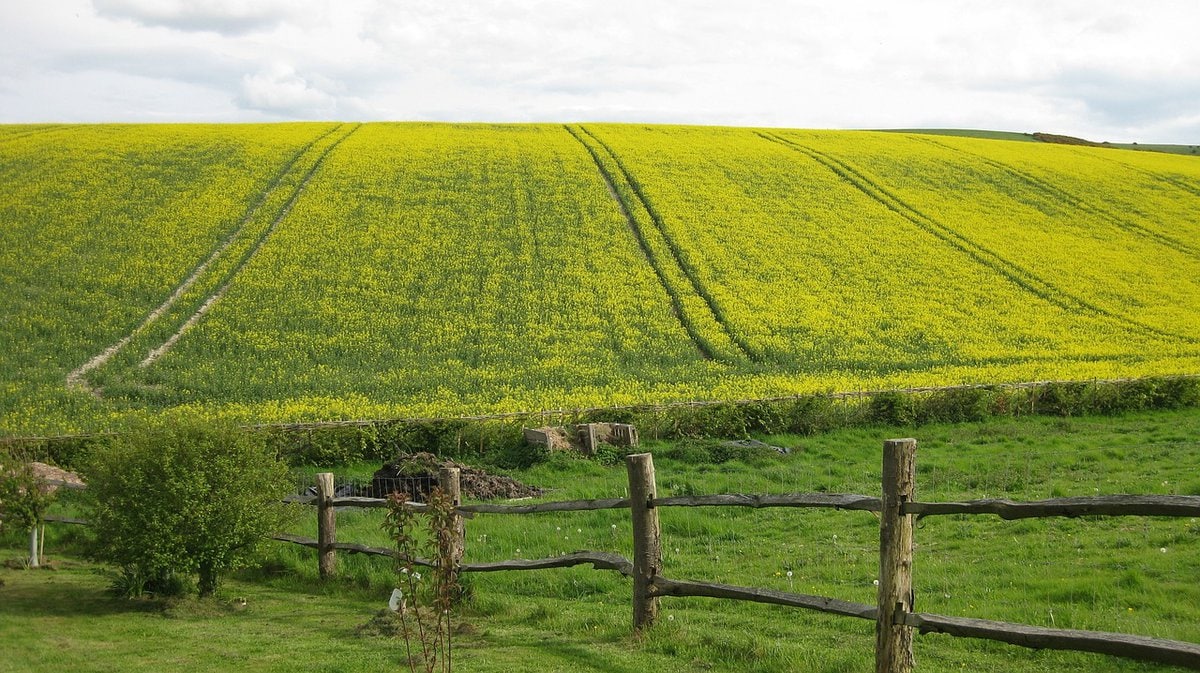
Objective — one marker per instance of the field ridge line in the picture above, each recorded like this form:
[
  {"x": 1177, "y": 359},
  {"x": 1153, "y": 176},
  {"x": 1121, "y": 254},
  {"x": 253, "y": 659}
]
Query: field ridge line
[
  {"x": 1067, "y": 197},
  {"x": 1169, "y": 179},
  {"x": 677, "y": 256},
  {"x": 1015, "y": 273},
  {"x": 213, "y": 298},
  {"x": 21, "y": 135}
]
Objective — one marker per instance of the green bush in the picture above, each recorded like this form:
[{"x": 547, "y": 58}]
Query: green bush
[
  {"x": 892, "y": 408},
  {"x": 956, "y": 405},
  {"x": 180, "y": 497},
  {"x": 23, "y": 496}
]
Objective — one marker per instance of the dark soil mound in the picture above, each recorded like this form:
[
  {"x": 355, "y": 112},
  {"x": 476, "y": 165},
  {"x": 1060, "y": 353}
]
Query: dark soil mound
[{"x": 416, "y": 474}]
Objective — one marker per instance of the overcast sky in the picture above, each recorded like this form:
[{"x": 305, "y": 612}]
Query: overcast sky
[{"x": 1101, "y": 69}]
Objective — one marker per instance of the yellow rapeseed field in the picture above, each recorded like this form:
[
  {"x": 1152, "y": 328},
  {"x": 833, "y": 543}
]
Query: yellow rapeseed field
[{"x": 315, "y": 271}]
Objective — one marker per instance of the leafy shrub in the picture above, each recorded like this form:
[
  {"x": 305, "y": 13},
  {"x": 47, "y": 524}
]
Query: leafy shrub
[
  {"x": 23, "y": 496},
  {"x": 180, "y": 497},
  {"x": 957, "y": 405},
  {"x": 609, "y": 454},
  {"x": 892, "y": 408}
]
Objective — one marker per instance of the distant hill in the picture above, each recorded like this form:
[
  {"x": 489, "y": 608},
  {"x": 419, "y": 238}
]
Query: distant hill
[
  {"x": 319, "y": 271},
  {"x": 1193, "y": 150}
]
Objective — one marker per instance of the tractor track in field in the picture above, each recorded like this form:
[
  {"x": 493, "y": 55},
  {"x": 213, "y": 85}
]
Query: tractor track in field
[
  {"x": 1022, "y": 277},
  {"x": 675, "y": 254},
  {"x": 77, "y": 378},
  {"x": 1170, "y": 180},
  {"x": 1070, "y": 199},
  {"x": 698, "y": 341},
  {"x": 212, "y": 299},
  {"x": 21, "y": 135}
]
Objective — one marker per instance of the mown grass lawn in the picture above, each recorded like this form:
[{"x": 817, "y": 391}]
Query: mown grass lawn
[{"x": 1132, "y": 575}]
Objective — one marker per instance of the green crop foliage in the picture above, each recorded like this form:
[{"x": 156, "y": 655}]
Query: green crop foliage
[{"x": 303, "y": 272}]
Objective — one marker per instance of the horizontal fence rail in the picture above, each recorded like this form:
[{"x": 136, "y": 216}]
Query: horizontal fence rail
[
  {"x": 598, "y": 560},
  {"x": 1101, "y": 505},
  {"x": 665, "y": 587},
  {"x": 826, "y": 500},
  {"x": 1172, "y": 652}
]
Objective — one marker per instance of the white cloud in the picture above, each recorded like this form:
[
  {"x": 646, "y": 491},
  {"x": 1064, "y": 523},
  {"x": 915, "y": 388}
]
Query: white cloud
[
  {"x": 1103, "y": 70},
  {"x": 280, "y": 90}
]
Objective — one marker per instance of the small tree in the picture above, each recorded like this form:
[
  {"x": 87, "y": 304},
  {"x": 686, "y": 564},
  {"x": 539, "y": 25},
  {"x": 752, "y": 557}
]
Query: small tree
[
  {"x": 24, "y": 497},
  {"x": 425, "y": 624},
  {"x": 181, "y": 497}
]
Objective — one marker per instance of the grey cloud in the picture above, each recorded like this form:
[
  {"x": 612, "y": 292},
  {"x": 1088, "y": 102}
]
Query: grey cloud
[
  {"x": 1128, "y": 101},
  {"x": 226, "y": 17},
  {"x": 181, "y": 63}
]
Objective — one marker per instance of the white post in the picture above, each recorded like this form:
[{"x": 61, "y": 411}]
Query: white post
[{"x": 33, "y": 547}]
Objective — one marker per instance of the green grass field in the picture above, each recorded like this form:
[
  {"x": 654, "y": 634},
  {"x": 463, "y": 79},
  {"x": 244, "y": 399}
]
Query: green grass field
[
  {"x": 302, "y": 272},
  {"x": 1132, "y": 575}
]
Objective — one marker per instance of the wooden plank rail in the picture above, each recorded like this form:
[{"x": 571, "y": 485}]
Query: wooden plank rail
[
  {"x": 65, "y": 519},
  {"x": 666, "y": 587},
  {"x": 829, "y": 500},
  {"x": 846, "y": 501},
  {"x": 351, "y": 547},
  {"x": 599, "y": 560},
  {"x": 1105, "y": 505},
  {"x": 469, "y": 511},
  {"x": 563, "y": 506},
  {"x": 1174, "y": 652}
]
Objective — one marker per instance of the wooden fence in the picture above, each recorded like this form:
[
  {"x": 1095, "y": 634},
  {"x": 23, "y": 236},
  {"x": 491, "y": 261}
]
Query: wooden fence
[{"x": 893, "y": 611}]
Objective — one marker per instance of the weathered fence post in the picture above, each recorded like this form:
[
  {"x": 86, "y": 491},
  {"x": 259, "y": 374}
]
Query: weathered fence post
[
  {"x": 647, "y": 544},
  {"x": 449, "y": 478},
  {"x": 893, "y": 640},
  {"x": 326, "y": 526}
]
